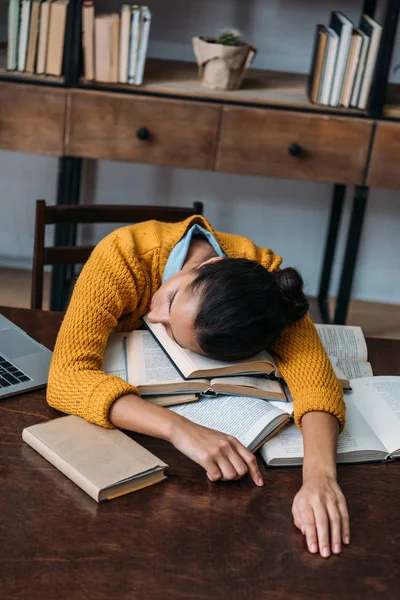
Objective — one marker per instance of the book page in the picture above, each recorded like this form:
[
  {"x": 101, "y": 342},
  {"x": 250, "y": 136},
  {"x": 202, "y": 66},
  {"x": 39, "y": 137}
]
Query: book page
[
  {"x": 378, "y": 398},
  {"x": 351, "y": 369},
  {"x": 356, "y": 437},
  {"x": 343, "y": 341},
  {"x": 147, "y": 362},
  {"x": 261, "y": 383},
  {"x": 240, "y": 416},
  {"x": 114, "y": 356}
]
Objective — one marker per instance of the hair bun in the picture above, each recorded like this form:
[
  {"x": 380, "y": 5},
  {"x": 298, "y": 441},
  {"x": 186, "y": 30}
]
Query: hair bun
[{"x": 293, "y": 300}]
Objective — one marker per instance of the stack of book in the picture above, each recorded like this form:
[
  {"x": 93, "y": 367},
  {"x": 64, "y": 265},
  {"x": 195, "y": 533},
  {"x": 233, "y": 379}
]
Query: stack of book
[
  {"x": 344, "y": 62},
  {"x": 36, "y": 33},
  {"x": 115, "y": 45}
]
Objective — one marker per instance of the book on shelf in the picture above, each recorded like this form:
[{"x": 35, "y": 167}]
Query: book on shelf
[
  {"x": 56, "y": 37},
  {"x": 372, "y": 431},
  {"x": 104, "y": 463},
  {"x": 13, "y": 34},
  {"x": 125, "y": 34},
  {"x": 344, "y": 28},
  {"x": 374, "y": 32},
  {"x": 24, "y": 33},
  {"x": 88, "y": 38},
  {"x": 251, "y": 420},
  {"x": 33, "y": 37},
  {"x": 317, "y": 62},
  {"x": 351, "y": 68},
  {"x": 134, "y": 43},
  {"x": 44, "y": 20},
  {"x": 145, "y": 21},
  {"x": 347, "y": 351},
  {"x": 328, "y": 67},
  {"x": 355, "y": 93}
]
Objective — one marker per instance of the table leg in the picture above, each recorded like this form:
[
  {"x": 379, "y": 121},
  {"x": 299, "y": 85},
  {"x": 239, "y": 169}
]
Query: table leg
[
  {"x": 339, "y": 192},
  {"x": 350, "y": 257},
  {"x": 68, "y": 192}
]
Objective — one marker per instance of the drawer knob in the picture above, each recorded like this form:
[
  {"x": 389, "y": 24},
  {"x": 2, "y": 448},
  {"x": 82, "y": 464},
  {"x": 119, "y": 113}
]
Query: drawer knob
[
  {"x": 143, "y": 133},
  {"x": 295, "y": 150}
]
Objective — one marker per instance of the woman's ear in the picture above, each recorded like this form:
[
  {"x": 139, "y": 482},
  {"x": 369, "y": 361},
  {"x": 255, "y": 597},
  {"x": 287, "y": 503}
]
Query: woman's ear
[{"x": 211, "y": 260}]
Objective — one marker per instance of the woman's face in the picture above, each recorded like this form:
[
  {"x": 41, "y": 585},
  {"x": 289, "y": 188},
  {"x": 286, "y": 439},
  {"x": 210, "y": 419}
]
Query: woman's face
[{"x": 175, "y": 306}]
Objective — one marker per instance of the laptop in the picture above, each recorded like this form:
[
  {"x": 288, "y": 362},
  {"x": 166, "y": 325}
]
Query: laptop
[{"x": 24, "y": 363}]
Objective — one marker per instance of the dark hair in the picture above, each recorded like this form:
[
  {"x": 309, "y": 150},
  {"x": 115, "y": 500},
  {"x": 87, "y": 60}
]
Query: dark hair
[{"x": 244, "y": 307}]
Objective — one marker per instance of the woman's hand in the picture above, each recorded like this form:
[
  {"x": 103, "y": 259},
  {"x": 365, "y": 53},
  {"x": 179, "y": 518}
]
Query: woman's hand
[
  {"x": 320, "y": 512},
  {"x": 222, "y": 456},
  {"x": 319, "y": 508}
]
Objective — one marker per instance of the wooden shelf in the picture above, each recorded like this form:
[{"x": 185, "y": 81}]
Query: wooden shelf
[
  {"x": 30, "y": 78},
  {"x": 392, "y": 106},
  {"x": 268, "y": 88}
]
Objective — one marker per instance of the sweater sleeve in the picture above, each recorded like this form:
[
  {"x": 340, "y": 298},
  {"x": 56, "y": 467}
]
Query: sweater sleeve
[
  {"x": 108, "y": 288},
  {"x": 305, "y": 366}
]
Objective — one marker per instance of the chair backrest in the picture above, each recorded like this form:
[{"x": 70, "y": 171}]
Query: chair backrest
[{"x": 71, "y": 214}]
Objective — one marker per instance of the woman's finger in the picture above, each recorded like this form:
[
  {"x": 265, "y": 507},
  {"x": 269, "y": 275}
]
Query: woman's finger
[
  {"x": 212, "y": 470},
  {"x": 345, "y": 521},
  {"x": 226, "y": 467},
  {"x": 297, "y": 519},
  {"x": 308, "y": 520},
  {"x": 322, "y": 524},
  {"x": 335, "y": 524},
  {"x": 251, "y": 463},
  {"x": 238, "y": 463}
]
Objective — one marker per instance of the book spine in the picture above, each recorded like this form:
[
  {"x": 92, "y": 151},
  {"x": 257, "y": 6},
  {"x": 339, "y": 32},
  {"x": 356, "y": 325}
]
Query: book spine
[
  {"x": 144, "y": 40},
  {"x": 135, "y": 33},
  {"x": 23, "y": 34},
  {"x": 60, "y": 464},
  {"x": 13, "y": 30}
]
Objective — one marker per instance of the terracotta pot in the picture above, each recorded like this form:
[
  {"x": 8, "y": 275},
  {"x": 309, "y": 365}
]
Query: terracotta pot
[{"x": 221, "y": 67}]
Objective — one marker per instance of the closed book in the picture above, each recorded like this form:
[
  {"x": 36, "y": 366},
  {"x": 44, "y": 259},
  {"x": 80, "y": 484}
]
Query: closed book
[
  {"x": 33, "y": 37},
  {"x": 24, "y": 33},
  {"x": 13, "y": 33},
  {"x": 103, "y": 25},
  {"x": 104, "y": 463},
  {"x": 145, "y": 21},
  {"x": 374, "y": 31},
  {"x": 134, "y": 43},
  {"x": 344, "y": 29},
  {"x": 351, "y": 68},
  {"x": 124, "y": 36},
  {"x": 44, "y": 20},
  {"x": 115, "y": 25},
  {"x": 88, "y": 39},
  {"x": 317, "y": 62},
  {"x": 355, "y": 94},
  {"x": 329, "y": 67},
  {"x": 55, "y": 46}
]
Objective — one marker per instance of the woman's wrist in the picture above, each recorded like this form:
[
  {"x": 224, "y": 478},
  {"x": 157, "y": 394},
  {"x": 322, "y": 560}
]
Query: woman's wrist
[{"x": 320, "y": 432}]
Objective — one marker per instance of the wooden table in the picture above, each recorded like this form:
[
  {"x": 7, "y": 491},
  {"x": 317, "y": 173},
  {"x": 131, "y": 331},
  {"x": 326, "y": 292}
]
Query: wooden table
[{"x": 185, "y": 538}]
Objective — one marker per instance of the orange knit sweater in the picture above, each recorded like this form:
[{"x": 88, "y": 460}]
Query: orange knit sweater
[{"x": 114, "y": 291}]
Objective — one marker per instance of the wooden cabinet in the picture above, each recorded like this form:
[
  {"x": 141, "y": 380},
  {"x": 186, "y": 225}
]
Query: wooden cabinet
[
  {"x": 142, "y": 129},
  {"x": 384, "y": 170},
  {"x": 32, "y": 118},
  {"x": 288, "y": 144}
]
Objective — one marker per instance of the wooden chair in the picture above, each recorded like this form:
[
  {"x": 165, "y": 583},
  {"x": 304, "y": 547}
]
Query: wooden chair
[{"x": 79, "y": 214}]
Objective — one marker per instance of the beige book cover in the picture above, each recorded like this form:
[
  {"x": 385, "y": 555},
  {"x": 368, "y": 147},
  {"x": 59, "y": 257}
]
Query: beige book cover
[
  {"x": 44, "y": 20},
  {"x": 103, "y": 25},
  {"x": 321, "y": 41},
  {"x": 115, "y": 26},
  {"x": 88, "y": 39},
  {"x": 351, "y": 68},
  {"x": 125, "y": 33},
  {"x": 104, "y": 463},
  {"x": 33, "y": 37},
  {"x": 55, "y": 46}
]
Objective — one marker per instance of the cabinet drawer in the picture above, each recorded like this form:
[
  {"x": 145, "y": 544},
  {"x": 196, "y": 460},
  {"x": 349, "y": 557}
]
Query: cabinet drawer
[
  {"x": 286, "y": 144},
  {"x": 384, "y": 168},
  {"x": 142, "y": 129},
  {"x": 32, "y": 118}
]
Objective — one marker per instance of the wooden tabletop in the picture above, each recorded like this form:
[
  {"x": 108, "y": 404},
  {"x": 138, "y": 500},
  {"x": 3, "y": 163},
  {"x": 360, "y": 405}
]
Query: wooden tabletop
[{"x": 185, "y": 538}]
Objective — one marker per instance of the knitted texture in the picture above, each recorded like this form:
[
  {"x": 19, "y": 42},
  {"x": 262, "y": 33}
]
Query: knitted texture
[{"x": 114, "y": 291}]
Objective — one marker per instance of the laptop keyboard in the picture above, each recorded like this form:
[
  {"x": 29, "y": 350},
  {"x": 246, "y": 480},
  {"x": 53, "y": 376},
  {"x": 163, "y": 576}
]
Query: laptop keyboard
[{"x": 10, "y": 374}]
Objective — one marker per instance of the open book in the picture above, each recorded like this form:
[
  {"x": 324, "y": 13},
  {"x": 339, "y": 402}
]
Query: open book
[
  {"x": 347, "y": 351},
  {"x": 193, "y": 366},
  {"x": 152, "y": 372},
  {"x": 372, "y": 431},
  {"x": 251, "y": 420}
]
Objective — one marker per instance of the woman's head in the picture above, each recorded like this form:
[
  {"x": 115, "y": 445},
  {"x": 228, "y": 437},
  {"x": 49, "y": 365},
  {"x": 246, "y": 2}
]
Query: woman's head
[{"x": 229, "y": 309}]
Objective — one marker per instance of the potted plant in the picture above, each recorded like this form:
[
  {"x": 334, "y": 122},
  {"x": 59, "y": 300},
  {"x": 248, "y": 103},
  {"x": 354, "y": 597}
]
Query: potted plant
[{"x": 223, "y": 61}]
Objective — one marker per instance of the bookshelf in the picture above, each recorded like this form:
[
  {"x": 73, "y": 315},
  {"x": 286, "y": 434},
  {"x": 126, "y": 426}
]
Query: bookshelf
[{"x": 268, "y": 127}]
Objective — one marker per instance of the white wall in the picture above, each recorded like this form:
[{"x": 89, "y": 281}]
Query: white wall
[{"x": 289, "y": 216}]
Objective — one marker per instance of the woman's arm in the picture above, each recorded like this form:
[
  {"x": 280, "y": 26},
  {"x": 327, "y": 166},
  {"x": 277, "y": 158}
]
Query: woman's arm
[
  {"x": 222, "y": 456},
  {"x": 319, "y": 508}
]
